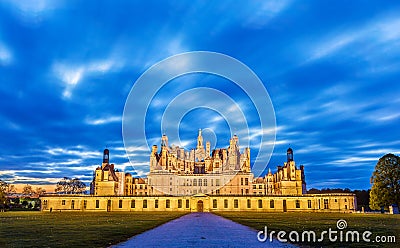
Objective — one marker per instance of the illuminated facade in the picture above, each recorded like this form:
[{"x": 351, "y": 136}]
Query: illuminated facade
[
  {"x": 200, "y": 180},
  {"x": 223, "y": 171}
]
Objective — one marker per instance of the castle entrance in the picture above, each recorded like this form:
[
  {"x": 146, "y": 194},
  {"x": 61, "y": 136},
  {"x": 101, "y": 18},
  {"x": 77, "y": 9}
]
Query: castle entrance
[{"x": 200, "y": 206}]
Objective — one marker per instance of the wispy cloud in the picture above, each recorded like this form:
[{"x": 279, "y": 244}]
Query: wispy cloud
[
  {"x": 5, "y": 55},
  {"x": 33, "y": 12},
  {"x": 102, "y": 121},
  {"x": 264, "y": 11},
  {"x": 72, "y": 74},
  {"x": 384, "y": 32}
]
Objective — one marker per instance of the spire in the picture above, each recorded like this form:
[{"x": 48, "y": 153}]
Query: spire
[
  {"x": 164, "y": 141},
  {"x": 200, "y": 140}
]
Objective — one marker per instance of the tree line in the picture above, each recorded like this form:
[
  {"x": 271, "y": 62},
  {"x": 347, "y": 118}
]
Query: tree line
[{"x": 65, "y": 186}]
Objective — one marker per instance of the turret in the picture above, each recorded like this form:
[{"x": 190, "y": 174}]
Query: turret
[
  {"x": 164, "y": 141},
  {"x": 106, "y": 156},
  {"x": 208, "y": 149},
  {"x": 289, "y": 154},
  {"x": 200, "y": 140},
  {"x": 154, "y": 149}
]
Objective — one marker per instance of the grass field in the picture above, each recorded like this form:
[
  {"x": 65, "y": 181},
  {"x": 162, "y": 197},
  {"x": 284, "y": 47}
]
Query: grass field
[
  {"x": 36, "y": 229},
  {"x": 378, "y": 224}
]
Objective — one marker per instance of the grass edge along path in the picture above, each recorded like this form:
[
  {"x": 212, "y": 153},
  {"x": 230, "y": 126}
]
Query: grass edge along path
[
  {"x": 378, "y": 224},
  {"x": 72, "y": 229}
]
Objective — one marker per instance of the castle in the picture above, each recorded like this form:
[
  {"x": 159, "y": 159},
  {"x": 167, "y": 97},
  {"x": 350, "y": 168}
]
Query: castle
[
  {"x": 224, "y": 171},
  {"x": 200, "y": 180}
]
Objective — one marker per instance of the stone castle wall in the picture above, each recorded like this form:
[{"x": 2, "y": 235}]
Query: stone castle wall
[{"x": 201, "y": 202}]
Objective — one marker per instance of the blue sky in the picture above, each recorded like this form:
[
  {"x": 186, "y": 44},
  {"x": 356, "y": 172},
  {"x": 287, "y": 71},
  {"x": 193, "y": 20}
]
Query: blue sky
[{"x": 67, "y": 67}]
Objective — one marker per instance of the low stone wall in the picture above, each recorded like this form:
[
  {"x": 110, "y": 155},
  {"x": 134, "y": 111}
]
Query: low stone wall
[{"x": 200, "y": 203}]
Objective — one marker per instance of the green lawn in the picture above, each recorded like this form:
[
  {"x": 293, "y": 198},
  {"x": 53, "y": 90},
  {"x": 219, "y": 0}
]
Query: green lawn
[
  {"x": 378, "y": 224},
  {"x": 36, "y": 229}
]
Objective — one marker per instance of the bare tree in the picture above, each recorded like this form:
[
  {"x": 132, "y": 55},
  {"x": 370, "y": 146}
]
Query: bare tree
[
  {"x": 40, "y": 191},
  {"x": 11, "y": 189},
  {"x": 27, "y": 190},
  {"x": 70, "y": 186}
]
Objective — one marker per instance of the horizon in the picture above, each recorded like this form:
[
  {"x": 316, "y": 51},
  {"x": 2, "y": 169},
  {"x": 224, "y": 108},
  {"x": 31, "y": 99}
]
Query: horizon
[{"x": 67, "y": 68}]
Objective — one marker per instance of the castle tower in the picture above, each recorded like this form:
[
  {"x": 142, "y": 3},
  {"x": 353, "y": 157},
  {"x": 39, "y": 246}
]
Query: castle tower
[
  {"x": 153, "y": 158},
  {"x": 164, "y": 141},
  {"x": 234, "y": 154},
  {"x": 106, "y": 158},
  {"x": 289, "y": 154},
  {"x": 200, "y": 140},
  {"x": 199, "y": 152},
  {"x": 164, "y": 152}
]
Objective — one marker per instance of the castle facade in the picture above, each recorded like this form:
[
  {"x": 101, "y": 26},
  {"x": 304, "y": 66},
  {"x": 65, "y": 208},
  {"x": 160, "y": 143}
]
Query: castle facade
[{"x": 223, "y": 171}]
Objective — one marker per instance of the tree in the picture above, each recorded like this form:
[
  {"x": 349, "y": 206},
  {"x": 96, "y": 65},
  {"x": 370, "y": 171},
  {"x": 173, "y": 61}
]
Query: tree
[
  {"x": 40, "y": 191},
  {"x": 385, "y": 181},
  {"x": 27, "y": 190},
  {"x": 78, "y": 186},
  {"x": 70, "y": 186},
  {"x": 3, "y": 193},
  {"x": 11, "y": 189}
]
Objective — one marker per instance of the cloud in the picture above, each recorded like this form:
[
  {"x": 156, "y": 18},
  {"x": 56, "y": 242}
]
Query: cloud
[
  {"x": 34, "y": 12},
  {"x": 375, "y": 35},
  {"x": 102, "y": 121},
  {"x": 71, "y": 74},
  {"x": 67, "y": 68},
  {"x": 264, "y": 11},
  {"x": 5, "y": 55}
]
